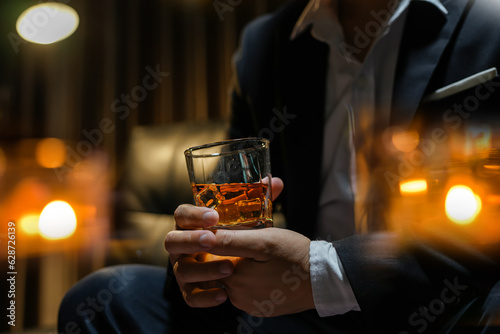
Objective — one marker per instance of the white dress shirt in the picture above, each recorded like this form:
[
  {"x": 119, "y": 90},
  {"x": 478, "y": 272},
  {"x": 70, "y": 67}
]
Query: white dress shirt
[{"x": 354, "y": 90}]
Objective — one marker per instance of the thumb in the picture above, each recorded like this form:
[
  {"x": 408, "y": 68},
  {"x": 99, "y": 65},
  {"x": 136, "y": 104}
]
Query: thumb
[{"x": 277, "y": 186}]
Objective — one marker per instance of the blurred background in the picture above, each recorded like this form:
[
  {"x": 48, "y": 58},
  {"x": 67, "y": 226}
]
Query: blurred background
[
  {"x": 67, "y": 113},
  {"x": 94, "y": 122}
]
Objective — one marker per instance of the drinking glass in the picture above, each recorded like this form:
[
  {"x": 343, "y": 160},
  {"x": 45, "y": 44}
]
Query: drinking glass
[{"x": 233, "y": 177}]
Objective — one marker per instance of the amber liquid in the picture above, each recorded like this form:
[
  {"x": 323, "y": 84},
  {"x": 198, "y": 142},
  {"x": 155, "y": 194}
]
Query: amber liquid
[{"x": 240, "y": 205}]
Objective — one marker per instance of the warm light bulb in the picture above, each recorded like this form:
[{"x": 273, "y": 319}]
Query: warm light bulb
[
  {"x": 57, "y": 220},
  {"x": 462, "y": 206},
  {"x": 413, "y": 187},
  {"x": 47, "y": 23}
]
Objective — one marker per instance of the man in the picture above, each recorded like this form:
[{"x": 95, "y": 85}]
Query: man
[{"x": 322, "y": 79}]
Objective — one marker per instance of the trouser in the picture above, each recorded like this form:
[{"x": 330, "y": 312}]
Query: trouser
[{"x": 145, "y": 299}]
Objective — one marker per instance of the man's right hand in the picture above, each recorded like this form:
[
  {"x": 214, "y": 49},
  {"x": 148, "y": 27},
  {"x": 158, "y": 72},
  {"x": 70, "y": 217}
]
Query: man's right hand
[{"x": 199, "y": 273}]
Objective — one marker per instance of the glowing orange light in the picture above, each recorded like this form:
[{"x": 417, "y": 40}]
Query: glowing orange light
[
  {"x": 413, "y": 187},
  {"x": 493, "y": 199},
  {"x": 57, "y": 221},
  {"x": 50, "y": 153},
  {"x": 29, "y": 223},
  {"x": 462, "y": 205},
  {"x": 492, "y": 167},
  {"x": 405, "y": 141}
]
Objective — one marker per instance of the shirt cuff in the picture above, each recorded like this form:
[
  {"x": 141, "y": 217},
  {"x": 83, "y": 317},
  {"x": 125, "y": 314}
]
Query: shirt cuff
[{"x": 331, "y": 289}]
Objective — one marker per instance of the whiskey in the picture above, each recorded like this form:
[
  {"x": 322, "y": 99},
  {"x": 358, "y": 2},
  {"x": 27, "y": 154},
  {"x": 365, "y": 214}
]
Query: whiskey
[{"x": 239, "y": 205}]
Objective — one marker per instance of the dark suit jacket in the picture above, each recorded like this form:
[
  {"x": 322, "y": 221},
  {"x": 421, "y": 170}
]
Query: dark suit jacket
[{"x": 279, "y": 93}]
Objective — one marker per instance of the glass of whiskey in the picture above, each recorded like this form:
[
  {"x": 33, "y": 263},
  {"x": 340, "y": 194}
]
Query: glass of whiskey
[{"x": 233, "y": 177}]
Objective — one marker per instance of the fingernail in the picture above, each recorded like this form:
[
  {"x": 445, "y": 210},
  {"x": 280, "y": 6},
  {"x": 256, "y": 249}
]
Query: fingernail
[
  {"x": 210, "y": 217},
  {"x": 225, "y": 268},
  {"x": 205, "y": 241},
  {"x": 220, "y": 297}
]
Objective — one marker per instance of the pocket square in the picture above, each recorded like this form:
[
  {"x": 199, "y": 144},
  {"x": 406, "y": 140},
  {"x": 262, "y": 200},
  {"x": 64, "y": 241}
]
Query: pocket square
[{"x": 462, "y": 85}]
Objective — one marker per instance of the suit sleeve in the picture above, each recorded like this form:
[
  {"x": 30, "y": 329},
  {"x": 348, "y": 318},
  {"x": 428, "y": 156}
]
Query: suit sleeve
[{"x": 405, "y": 285}]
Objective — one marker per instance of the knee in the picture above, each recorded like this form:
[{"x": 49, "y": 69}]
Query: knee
[
  {"x": 93, "y": 294},
  {"x": 101, "y": 286}
]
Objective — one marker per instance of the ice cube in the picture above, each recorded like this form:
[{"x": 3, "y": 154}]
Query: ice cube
[{"x": 209, "y": 197}]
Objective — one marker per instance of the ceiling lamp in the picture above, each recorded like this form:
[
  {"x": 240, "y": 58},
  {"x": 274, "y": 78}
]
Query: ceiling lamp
[{"x": 47, "y": 23}]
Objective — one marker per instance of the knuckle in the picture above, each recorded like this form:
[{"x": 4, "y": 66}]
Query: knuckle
[
  {"x": 191, "y": 300},
  {"x": 166, "y": 241},
  {"x": 180, "y": 272},
  {"x": 185, "y": 215},
  {"x": 178, "y": 213},
  {"x": 271, "y": 243},
  {"x": 270, "y": 249},
  {"x": 188, "y": 298},
  {"x": 226, "y": 240}
]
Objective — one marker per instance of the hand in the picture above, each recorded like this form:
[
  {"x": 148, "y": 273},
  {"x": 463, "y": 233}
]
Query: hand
[
  {"x": 197, "y": 272},
  {"x": 272, "y": 276},
  {"x": 269, "y": 277}
]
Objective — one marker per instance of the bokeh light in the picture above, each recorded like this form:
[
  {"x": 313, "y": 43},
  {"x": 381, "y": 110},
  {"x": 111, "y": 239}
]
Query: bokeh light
[
  {"x": 47, "y": 23},
  {"x": 462, "y": 205},
  {"x": 50, "y": 153},
  {"x": 413, "y": 187},
  {"x": 57, "y": 220},
  {"x": 29, "y": 223},
  {"x": 405, "y": 141}
]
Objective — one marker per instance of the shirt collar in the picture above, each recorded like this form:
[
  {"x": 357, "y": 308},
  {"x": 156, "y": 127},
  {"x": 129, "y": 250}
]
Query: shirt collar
[{"x": 318, "y": 12}]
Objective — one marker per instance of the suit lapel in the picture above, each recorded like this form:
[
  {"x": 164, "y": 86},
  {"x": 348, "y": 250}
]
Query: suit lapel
[{"x": 426, "y": 35}]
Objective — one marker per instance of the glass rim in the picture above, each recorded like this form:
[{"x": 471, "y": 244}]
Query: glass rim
[{"x": 190, "y": 151}]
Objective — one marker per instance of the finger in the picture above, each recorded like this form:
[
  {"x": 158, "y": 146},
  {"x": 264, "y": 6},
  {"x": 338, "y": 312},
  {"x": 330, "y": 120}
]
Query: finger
[
  {"x": 254, "y": 244},
  {"x": 199, "y": 297},
  {"x": 277, "y": 186},
  {"x": 189, "y": 270},
  {"x": 191, "y": 217},
  {"x": 189, "y": 242},
  {"x": 260, "y": 245}
]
